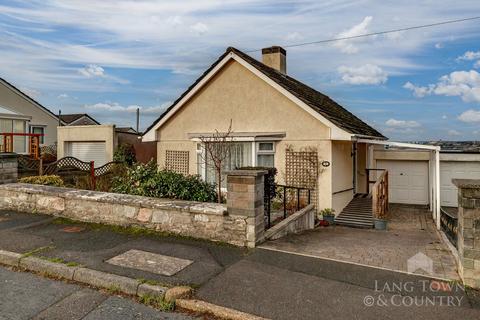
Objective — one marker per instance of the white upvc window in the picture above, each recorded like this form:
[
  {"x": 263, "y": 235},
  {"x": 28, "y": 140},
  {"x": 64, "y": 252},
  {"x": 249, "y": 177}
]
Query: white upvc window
[
  {"x": 265, "y": 153},
  {"x": 38, "y": 130},
  {"x": 242, "y": 154}
]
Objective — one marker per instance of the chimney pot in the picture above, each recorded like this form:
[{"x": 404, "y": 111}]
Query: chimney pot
[{"x": 275, "y": 57}]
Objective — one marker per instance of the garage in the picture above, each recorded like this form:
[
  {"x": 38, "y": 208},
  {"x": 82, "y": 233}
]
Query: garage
[
  {"x": 408, "y": 181},
  {"x": 455, "y": 170},
  {"x": 88, "y": 151}
]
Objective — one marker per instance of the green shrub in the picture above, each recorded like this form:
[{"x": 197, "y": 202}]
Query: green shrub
[
  {"x": 52, "y": 180},
  {"x": 146, "y": 180},
  {"x": 125, "y": 153}
]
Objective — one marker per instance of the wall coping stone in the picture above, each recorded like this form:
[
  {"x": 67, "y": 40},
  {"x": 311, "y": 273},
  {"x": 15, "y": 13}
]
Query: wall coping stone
[
  {"x": 117, "y": 198},
  {"x": 285, "y": 222},
  {"x": 253, "y": 173},
  {"x": 466, "y": 183},
  {"x": 8, "y": 155}
]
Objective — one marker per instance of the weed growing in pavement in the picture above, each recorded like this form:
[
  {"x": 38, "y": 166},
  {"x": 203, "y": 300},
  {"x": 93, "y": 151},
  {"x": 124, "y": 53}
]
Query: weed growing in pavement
[
  {"x": 150, "y": 282},
  {"x": 157, "y": 302},
  {"x": 113, "y": 289},
  {"x": 37, "y": 250},
  {"x": 60, "y": 260}
]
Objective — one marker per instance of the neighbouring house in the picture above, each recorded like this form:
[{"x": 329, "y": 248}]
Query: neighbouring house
[
  {"x": 409, "y": 175},
  {"x": 99, "y": 143},
  {"x": 78, "y": 119},
  {"x": 21, "y": 114},
  {"x": 277, "y": 121}
]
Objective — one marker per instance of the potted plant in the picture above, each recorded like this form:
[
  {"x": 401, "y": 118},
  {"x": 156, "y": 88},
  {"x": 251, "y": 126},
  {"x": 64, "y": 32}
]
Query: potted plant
[
  {"x": 328, "y": 214},
  {"x": 380, "y": 221}
]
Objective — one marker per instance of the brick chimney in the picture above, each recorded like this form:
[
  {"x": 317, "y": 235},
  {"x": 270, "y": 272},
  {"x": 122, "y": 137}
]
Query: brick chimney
[{"x": 275, "y": 57}]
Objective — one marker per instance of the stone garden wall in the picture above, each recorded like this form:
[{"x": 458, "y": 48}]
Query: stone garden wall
[{"x": 201, "y": 220}]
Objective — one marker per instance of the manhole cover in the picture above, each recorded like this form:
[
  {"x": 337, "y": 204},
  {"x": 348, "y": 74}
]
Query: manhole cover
[{"x": 73, "y": 229}]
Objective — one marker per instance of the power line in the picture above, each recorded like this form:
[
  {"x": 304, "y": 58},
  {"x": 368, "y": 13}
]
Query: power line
[{"x": 377, "y": 33}]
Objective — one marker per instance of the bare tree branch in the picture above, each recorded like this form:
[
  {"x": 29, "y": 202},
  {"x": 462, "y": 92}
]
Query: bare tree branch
[{"x": 217, "y": 151}]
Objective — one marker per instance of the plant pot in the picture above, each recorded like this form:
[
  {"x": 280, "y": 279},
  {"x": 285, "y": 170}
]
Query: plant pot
[
  {"x": 380, "y": 224},
  {"x": 330, "y": 219}
]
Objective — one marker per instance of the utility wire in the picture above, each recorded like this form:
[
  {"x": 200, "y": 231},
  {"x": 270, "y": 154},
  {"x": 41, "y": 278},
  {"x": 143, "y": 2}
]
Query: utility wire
[{"x": 377, "y": 33}]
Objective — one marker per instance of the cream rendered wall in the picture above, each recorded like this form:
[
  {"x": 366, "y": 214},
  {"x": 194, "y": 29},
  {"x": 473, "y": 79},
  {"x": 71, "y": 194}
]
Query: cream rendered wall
[
  {"x": 342, "y": 174},
  {"x": 87, "y": 134},
  {"x": 14, "y": 101},
  {"x": 254, "y": 106},
  {"x": 362, "y": 152}
]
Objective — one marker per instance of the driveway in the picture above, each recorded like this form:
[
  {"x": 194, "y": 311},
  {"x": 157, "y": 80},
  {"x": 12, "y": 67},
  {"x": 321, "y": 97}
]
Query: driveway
[{"x": 411, "y": 230}]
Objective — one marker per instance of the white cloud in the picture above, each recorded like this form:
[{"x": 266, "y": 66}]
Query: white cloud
[
  {"x": 470, "y": 116},
  {"x": 464, "y": 84},
  {"x": 418, "y": 92},
  {"x": 439, "y": 45},
  {"x": 63, "y": 96},
  {"x": 470, "y": 55},
  {"x": 347, "y": 46},
  {"x": 199, "y": 28},
  {"x": 403, "y": 124},
  {"x": 366, "y": 74},
  {"x": 444, "y": 117},
  {"x": 454, "y": 133},
  {"x": 116, "y": 107},
  {"x": 92, "y": 70}
]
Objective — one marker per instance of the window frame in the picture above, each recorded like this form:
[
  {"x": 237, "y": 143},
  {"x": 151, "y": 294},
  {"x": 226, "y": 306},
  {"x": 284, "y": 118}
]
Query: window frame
[{"x": 33, "y": 126}]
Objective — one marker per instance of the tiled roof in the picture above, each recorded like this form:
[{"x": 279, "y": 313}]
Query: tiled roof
[
  {"x": 319, "y": 102},
  {"x": 455, "y": 146},
  {"x": 69, "y": 118}
]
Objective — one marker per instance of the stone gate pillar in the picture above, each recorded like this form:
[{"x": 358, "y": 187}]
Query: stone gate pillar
[
  {"x": 469, "y": 230},
  {"x": 245, "y": 190},
  {"x": 8, "y": 168}
]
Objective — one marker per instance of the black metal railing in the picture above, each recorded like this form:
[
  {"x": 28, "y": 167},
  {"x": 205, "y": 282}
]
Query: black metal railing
[
  {"x": 285, "y": 201},
  {"x": 449, "y": 225}
]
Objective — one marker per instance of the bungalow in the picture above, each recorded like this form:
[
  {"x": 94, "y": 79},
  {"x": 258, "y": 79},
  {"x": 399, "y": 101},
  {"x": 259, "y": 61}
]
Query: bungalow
[
  {"x": 276, "y": 121},
  {"x": 19, "y": 113}
]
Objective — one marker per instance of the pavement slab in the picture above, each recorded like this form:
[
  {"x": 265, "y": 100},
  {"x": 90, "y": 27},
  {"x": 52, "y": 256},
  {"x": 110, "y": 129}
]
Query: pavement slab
[
  {"x": 151, "y": 262},
  {"x": 115, "y": 308},
  {"x": 29, "y": 296},
  {"x": 74, "y": 306}
]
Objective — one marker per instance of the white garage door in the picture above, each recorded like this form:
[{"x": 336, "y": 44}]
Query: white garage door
[
  {"x": 455, "y": 170},
  {"x": 88, "y": 151},
  {"x": 408, "y": 181}
]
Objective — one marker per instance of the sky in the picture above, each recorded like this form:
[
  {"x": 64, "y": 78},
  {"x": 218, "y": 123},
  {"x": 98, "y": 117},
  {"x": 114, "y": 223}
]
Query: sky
[{"x": 108, "y": 58}]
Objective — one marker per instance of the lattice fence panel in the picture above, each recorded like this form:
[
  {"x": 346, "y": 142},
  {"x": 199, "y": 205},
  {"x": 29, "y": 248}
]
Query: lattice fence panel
[
  {"x": 302, "y": 171},
  {"x": 177, "y": 161}
]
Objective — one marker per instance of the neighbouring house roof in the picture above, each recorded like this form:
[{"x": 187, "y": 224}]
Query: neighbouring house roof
[
  {"x": 455, "y": 146},
  {"x": 317, "y": 101},
  {"x": 78, "y": 118},
  {"x": 27, "y": 97},
  {"x": 126, "y": 130}
]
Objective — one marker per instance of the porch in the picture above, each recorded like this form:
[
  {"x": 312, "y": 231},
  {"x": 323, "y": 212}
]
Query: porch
[{"x": 411, "y": 230}]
